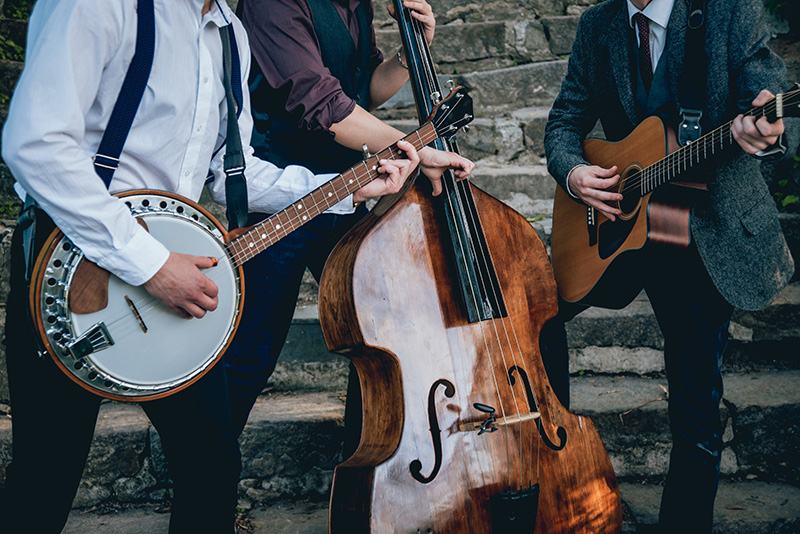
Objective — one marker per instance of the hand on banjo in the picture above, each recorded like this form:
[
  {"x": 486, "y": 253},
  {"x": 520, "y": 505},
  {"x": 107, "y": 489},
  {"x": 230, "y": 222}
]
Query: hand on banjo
[
  {"x": 396, "y": 173},
  {"x": 182, "y": 287}
]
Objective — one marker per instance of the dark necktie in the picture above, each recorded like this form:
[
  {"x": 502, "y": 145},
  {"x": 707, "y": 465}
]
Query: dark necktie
[{"x": 645, "y": 61}]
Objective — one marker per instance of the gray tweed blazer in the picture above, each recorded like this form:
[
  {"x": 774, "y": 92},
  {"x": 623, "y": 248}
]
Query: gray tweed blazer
[{"x": 735, "y": 227}]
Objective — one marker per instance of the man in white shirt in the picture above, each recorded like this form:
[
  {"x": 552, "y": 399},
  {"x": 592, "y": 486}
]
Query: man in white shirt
[{"x": 77, "y": 56}]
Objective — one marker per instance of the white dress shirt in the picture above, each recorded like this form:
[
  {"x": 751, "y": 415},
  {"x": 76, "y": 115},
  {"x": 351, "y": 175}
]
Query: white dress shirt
[{"x": 78, "y": 53}]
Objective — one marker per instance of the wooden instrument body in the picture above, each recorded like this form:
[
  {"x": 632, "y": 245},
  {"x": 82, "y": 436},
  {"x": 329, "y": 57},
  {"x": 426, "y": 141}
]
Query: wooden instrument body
[
  {"x": 388, "y": 302},
  {"x": 603, "y": 269}
]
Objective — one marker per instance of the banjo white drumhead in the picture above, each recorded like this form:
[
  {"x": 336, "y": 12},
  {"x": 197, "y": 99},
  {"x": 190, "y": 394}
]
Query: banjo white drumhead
[{"x": 172, "y": 349}]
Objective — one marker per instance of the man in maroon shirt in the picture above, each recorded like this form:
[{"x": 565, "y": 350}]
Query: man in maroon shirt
[{"x": 317, "y": 74}]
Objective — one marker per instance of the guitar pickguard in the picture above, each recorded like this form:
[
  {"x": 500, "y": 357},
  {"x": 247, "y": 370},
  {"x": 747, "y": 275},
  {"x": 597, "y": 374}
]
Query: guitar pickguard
[{"x": 611, "y": 235}]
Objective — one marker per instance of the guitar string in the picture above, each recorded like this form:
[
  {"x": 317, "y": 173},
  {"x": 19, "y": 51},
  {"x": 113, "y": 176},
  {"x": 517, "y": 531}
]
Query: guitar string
[
  {"x": 659, "y": 172},
  {"x": 684, "y": 155}
]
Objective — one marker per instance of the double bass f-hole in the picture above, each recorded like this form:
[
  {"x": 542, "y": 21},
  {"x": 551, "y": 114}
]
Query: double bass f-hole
[
  {"x": 436, "y": 434},
  {"x": 533, "y": 407}
]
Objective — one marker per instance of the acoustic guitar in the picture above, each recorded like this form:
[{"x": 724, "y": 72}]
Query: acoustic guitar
[{"x": 594, "y": 258}]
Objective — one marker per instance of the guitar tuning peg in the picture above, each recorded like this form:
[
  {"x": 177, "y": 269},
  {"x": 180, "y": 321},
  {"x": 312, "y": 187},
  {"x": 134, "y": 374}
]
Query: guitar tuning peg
[
  {"x": 450, "y": 84},
  {"x": 365, "y": 151},
  {"x": 466, "y": 128}
]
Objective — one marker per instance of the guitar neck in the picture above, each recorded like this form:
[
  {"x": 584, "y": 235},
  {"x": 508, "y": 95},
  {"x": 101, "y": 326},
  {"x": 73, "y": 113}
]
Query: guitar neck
[
  {"x": 697, "y": 152},
  {"x": 282, "y": 223}
]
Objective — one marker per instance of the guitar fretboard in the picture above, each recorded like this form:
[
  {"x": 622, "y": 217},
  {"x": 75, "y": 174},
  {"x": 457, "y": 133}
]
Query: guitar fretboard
[
  {"x": 282, "y": 223},
  {"x": 697, "y": 152}
]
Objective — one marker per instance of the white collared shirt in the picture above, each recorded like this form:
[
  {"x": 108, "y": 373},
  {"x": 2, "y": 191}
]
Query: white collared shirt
[
  {"x": 658, "y": 12},
  {"x": 78, "y": 53}
]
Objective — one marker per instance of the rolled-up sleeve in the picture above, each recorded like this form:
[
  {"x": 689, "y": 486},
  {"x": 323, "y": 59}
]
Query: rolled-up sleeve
[{"x": 284, "y": 44}]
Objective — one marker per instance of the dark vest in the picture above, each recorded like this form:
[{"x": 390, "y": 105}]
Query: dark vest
[
  {"x": 659, "y": 101},
  {"x": 276, "y": 136}
]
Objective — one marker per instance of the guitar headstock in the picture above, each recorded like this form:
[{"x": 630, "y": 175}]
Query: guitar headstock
[
  {"x": 452, "y": 113},
  {"x": 786, "y": 105}
]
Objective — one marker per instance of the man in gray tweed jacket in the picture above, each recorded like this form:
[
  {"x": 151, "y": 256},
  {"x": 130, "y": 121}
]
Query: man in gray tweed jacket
[{"x": 738, "y": 257}]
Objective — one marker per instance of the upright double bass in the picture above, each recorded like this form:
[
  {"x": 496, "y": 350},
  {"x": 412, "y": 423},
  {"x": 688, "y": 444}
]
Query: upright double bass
[{"x": 438, "y": 302}]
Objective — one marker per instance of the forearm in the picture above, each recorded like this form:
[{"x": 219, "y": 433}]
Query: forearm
[
  {"x": 361, "y": 127},
  {"x": 387, "y": 79}
]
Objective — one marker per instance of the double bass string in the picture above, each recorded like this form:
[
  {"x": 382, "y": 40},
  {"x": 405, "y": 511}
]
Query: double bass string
[
  {"x": 428, "y": 74},
  {"x": 421, "y": 68}
]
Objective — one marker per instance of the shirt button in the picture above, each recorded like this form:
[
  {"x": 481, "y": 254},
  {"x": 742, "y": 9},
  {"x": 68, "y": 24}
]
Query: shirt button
[
  {"x": 186, "y": 173},
  {"x": 199, "y": 128},
  {"x": 205, "y": 80}
]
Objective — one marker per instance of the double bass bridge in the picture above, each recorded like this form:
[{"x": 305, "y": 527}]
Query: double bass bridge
[{"x": 492, "y": 424}]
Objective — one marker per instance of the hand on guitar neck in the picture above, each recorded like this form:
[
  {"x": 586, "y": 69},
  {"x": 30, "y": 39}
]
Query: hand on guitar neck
[
  {"x": 433, "y": 163},
  {"x": 756, "y": 135},
  {"x": 592, "y": 184}
]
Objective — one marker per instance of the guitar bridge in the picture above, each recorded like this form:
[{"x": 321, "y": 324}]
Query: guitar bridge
[{"x": 94, "y": 339}]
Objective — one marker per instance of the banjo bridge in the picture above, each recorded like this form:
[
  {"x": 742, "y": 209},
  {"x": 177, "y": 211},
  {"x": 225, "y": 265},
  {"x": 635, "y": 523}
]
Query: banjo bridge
[{"x": 94, "y": 339}]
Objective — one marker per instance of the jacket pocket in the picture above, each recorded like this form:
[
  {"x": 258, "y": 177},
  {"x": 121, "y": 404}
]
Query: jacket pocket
[{"x": 759, "y": 217}]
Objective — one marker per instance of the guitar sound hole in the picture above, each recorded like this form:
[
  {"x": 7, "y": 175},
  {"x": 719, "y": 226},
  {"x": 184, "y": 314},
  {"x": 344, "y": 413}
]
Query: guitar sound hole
[
  {"x": 145, "y": 203},
  {"x": 163, "y": 205},
  {"x": 629, "y": 202},
  {"x": 51, "y": 282},
  {"x": 630, "y": 190},
  {"x": 66, "y": 247},
  {"x": 51, "y": 319},
  {"x": 77, "y": 366},
  {"x": 49, "y": 301},
  {"x": 57, "y": 264},
  {"x": 92, "y": 375}
]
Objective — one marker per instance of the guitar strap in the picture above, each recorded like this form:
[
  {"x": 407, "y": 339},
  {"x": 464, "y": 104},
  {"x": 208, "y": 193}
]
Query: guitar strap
[
  {"x": 693, "y": 80},
  {"x": 233, "y": 162}
]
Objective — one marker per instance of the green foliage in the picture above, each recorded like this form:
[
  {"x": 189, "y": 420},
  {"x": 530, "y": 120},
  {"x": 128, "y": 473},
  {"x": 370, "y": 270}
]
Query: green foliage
[
  {"x": 11, "y": 51},
  {"x": 789, "y": 10},
  {"x": 786, "y": 192},
  {"x": 18, "y": 9},
  {"x": 10, "y": 209}
]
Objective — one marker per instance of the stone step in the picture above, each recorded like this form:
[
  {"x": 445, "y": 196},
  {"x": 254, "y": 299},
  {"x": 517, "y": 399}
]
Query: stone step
[
  {"x": 292, "y": 441},
  {"x": 746, "y": 507},
  {"x": 601, "y": 341}
]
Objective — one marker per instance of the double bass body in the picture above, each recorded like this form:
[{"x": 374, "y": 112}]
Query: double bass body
[{"x": 455, "y": 412}]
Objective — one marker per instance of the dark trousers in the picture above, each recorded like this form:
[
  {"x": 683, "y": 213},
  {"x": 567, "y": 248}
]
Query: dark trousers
[
  {"x": 272, "y": 283},
  {"x": 53, "y": 422},
  {"x": 694, "y": 319}
]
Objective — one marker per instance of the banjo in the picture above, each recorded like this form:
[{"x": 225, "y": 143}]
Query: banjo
[{"x": 118, "y": 341}]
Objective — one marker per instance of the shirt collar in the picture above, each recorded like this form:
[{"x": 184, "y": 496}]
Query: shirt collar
[
  {"x": 658, "y": 11},
  {"x": 220, "y": 13}
]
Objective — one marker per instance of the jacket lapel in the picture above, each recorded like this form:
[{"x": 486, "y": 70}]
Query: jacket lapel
[
  {"x": 622, "y": 61},
  {"x": 675, "y": 48}
]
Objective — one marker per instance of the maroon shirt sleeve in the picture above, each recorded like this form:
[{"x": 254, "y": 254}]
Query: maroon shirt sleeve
[{"x": 284, "y": 44}]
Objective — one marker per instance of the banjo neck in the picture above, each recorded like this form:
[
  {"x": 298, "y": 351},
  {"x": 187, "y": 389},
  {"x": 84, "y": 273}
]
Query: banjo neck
[{"x": 246, "y": 243}]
